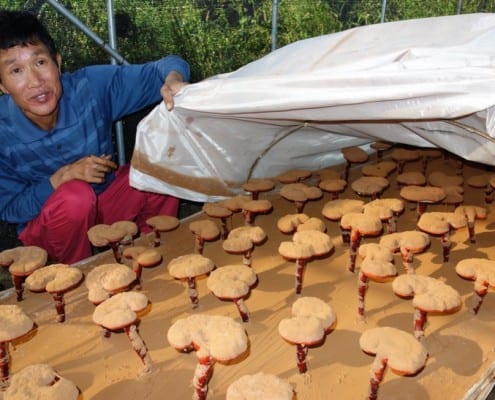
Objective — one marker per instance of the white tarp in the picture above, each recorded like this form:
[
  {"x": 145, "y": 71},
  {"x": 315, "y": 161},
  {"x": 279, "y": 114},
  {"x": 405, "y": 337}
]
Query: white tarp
[{"x": 426, "y": 82}]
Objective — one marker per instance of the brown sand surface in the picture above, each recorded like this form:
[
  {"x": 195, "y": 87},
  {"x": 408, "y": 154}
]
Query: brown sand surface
[{"x": 460, "y": 345}]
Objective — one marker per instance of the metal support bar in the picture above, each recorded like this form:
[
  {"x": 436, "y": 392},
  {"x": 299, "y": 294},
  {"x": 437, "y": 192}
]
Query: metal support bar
[{"x": 274, "y": 24}]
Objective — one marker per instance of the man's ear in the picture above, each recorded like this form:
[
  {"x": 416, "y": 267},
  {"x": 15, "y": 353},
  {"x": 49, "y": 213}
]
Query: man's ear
[{"x": 2, "y": 89}]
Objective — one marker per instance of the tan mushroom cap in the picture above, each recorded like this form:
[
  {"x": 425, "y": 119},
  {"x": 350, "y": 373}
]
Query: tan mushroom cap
[
  {"x": 120, "y": 310},
  {"x": 106, "y": 279},
  {"x": 216, "y": 210},
  {"x": 375, "y": 251},
  {"x": 54, "y": 278},
  {"x": 439, "y": 223},
  {"x": 472, "y": 212},
  {"x": 14, "y": 323},
  {"x": 312, "y": 224},
  {"x": 412, "y": 178},
  {"x": 404, "y": 353},
  {"x": 260, "y": 386},
  {"x": 143, "y": 255},
  {"x": 23, "y": 260},
  {"x": 369, "y": 185},
  {"x": 431, "y": 153},
  {"x": 313, "y": 306},
  {"x": 328, "y": 174},
  {"x": 219, "y": 337},
  {"x": 430, "y": 294},
  {"x": 384, "y": 208},
  {"x": 102, "y": 234},
  {"x": 205, "y": 228},
  {"x": 306, "y": 244},
  {"x": 380, "y": 145},
  {"x": 258, "y": 206},
  {"x": 381, "y": 169},
  {"x": 402, "y": 154},
  {"x": 335, "y": 209},
  {"x": 40, "y": 382},
  {"x": 129, "y": 227},
  {"x": 300, "y": 192},
  {"x": 412, "y": 241},
  {"x": 289, "y": 222},
  {"x": 236, "y": 203},
  {"x": 354, "y": 154},
  {"x": 477, "y": 269},
  {"x": 333, "y": 185},
  {"x": 258, "y": 185},
  {"x": 294, "y": 175},
  {"x": 441, "y": 179},
  {"x": 364, "y": 224},
  {"x": 190, "y": 265},
  {"x": 255, "y": 234},
  {"x": 163, "y": 223},
  {"x": 378, "y": 269},
  {"x": 232, "y": 281},
  {"x": 453, "y": 195},
  {"x": 478, "y": 181},
  {"x": 295, "y": 251},
  {"x": 427, "y": 194},
  {"x": 237, "y": 245}
]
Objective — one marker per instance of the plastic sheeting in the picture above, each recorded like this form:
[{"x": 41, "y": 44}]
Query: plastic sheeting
[{"x": 426, "y": 82}]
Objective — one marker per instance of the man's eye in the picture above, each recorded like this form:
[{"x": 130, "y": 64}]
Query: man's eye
[{"x": 15, "y": 71}]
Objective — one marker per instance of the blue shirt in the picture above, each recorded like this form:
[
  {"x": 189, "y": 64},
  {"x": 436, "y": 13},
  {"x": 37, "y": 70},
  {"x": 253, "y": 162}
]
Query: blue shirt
[{"x": 93, "y": 98}]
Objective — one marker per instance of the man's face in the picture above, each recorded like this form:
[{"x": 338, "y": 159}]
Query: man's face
[{"x": 32, "y": 78}]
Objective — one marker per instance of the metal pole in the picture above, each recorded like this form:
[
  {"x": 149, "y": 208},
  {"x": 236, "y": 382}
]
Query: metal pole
[
  {"x": 62, "y": 10},
  {"x": 384, "y": 10},
  {"x": 459, "y": 6},
  {"x": 274, "y": 24},
  {"x": 119, "y": 128}
]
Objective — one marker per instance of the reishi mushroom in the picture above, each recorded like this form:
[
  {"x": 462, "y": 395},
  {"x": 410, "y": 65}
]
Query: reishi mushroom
[
  {"x": 395, "y": 348},
  {"x": 333, "y": 210},
  {"x": 242, "y": 240},
  {"x": 213, "y": 338},
  {"x": 218, "y": 210},
  {"x": 311, "y": 320},
  {"x": 189, "y": 267},
  {"x": 161, "y": 224},
  {"x": 371, "y": 186},
  {"x": 56, "y": 279},
  {"x": 482, "y": 272},
  {"x": 257, "y": 186},
  {"x": 204, "y": 230},
  {"x": 407, "y": 243},
  {"x": 142, "y": 257},
  {"x": 353, "y": 155},
  {"x": 252, "y": 208},
  {"x": 105, "y": 280},
  {"x": 114, "y": 235},
  {"x": 300, "y": 193},
  {"x": 472, "y": 213}
]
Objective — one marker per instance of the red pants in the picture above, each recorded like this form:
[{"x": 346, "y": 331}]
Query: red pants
[{"x": 62, "y": 225}]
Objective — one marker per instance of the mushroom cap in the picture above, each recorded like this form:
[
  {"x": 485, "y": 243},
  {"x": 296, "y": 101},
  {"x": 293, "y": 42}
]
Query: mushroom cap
[
  {"x": 441, "y": 179},
  {"x": 402, "y": 154},
  {"x": 243, "y": 238},
  {"x": 384, "y": 208},
  {"x": 237, "y": 245},
  {"x": 102, "y": 234},
  {"x": 205, "y": 228},
  {"x": 381, "y": 145},
  {"x": 40, "y": 382},
  {"x": 320, "y": 242},
  {"x": 375, "y": 251},
  {"x": 190, "y": 265},
  {"x": 335, "y": 209},
  {"x": 260, "y": 386},
  {"x": 453, "y": 195},
  {"x": 289, "y": 222},
  {"x": 430, "y": 294},
  {"x": 23, "y": 260},
  {"x": 14, "y": 323},
  {"x": 300, "y": 192},
  {"x": 405, "y": 354},
  {"x": 380, "y": 169},
  {"x": 294, "y": 175},
  {"x": 219, "y": 337},
  {"x": 143, "y": 255},
  {"x": 426, "y": 194},
  {"x": 471, "y": 212},
  {"x": 412, "y": 178},
  {"x": 163, "y": 223},
  {"x": 216, "y": 210},
  {"x": 258, "y": 185},
  {"x": 129, "y": 227},
  {"x": 106, "y": 279},
  {"x": 258, "y": 206},
  {"x": 295, "y": 251},
  {"x": 313, "y": 306},
  {"x": 478, "y": 181},
  {"x": 236, "y": 203},
  {"x": 307, "y": 330},
  {"x": 431, "y": 153},
  {"x": 120, "y": 310},
  {"x": 480, "y": 270},
  {"x": 412, "y": 241},
  {"x": 439, "y": 223},
  {"x": 231, "y": 281},
  {"x": 354, "y": 154},
  {"x": 328, "y": 173},
  {"x": 335, "y": 185},
  {"x": 364, "y": 224},
  {"x": 378, "y": 269},
  {"x": 368, "y": 185},
  {"x": 54, "y": 278},
  {"x": 312, "y": 224}
]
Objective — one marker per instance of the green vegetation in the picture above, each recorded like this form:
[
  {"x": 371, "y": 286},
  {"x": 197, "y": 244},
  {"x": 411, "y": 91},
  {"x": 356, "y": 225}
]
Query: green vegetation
[{"x": 218, "y": 36}]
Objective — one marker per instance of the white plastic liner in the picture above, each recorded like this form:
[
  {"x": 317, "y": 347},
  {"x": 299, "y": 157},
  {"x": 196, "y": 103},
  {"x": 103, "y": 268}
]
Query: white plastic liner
[{"x": 426, "y": 82}]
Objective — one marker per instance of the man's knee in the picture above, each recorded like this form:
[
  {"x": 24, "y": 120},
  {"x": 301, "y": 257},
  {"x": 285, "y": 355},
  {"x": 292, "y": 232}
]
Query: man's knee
[{"x": 77, "y": 198}]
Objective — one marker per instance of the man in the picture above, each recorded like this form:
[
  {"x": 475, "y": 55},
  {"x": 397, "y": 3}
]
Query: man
[{"x": 57, "y": 176}]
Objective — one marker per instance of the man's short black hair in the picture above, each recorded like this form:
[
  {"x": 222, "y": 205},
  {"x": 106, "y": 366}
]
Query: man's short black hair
[{"x": 22, "y": 28}]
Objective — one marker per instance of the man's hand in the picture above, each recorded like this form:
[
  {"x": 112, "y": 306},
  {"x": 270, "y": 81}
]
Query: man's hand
[
  {"x": 173, "y": 83},
  {"x": 91, "y": 169}
]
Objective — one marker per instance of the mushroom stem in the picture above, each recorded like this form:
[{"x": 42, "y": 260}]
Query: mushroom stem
[
  {"x": 225, "y": 228},
  {"x": 191, "y": 290},
  {"x": 4, "y": 366},
  {"x": 377, "y": 371},
  {"x": 199, "y": 244},
  {"x": 446, "y": 245},
  {"x": 202, "y": 374},
  {"x": 421, "y": 208},
  {"x": 355, "y": 239},
  {"x": 139, "y": 347},
  {"x": 362, "y": 288},
  {"x": 138, "y": 271},
  {"x": 18, "y": 282},
  {"x": 407, "y": 260},
  {"x": 299, "y": 206},
  {"x": 472, "y": 237},
  {"x": 58, "y": 297},
  {"x": 419, "y": 323},
  {"x": 302, "y": 352},
  {"x": 247, "y": 258},
  {"x": 480, "y": 293},
  {"x": 488, "y": 194},
  {"x": 249, "y": 218},
  {"x": 116, "y": 252},
  {"x": 243, "y": 311},
  {"x": 300, "y": 267},
  {"x": 156, "y": 238},
  {"x": 346, "y": 235}
]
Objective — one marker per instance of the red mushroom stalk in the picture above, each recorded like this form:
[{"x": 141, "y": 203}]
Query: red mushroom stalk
[{"x": 160, "y": 224}]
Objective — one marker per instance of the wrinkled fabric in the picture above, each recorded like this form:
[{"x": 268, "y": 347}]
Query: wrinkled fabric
[{"x": 426, "y": 82}]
